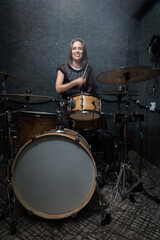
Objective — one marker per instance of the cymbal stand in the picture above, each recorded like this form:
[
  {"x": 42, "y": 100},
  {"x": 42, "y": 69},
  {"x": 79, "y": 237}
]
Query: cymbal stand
[
  {"x": 5, "y": 122},
  {"x": 126, "y": 172},
  {"x": 61, "y": 115},
  {"x": 7, "y": 160}
]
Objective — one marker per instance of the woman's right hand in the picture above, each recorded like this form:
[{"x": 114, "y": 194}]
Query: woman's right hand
[{"x": 80, "y": 81}]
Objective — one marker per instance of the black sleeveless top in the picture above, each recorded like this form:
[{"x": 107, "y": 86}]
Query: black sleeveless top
[{"x": 71, "y": 74}]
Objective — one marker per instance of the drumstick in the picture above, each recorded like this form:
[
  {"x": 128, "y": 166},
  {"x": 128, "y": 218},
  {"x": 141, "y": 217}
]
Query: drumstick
[
  {"x": 84, "y": 74},
  {"x": 85, "y": 71}
]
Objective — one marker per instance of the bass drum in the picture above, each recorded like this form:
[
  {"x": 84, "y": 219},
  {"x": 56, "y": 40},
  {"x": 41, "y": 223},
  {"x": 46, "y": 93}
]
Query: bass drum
[{"x": 54, "y": 175}]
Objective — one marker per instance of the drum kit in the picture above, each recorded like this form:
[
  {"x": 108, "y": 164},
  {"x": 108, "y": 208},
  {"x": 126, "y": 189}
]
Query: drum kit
[{"x": 51, "y": 168}]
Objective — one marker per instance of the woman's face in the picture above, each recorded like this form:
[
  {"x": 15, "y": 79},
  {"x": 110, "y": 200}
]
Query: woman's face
[{"x": 77, "y": 51}]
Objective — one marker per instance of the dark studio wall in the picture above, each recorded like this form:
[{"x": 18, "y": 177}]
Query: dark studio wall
[
  {"x": 149, "y": 90},
  {"x": 35, "y": 37}
]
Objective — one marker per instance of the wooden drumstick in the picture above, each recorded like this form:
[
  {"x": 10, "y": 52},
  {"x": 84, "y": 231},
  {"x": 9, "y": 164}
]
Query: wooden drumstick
[
  {"x": 85, "y": 71},
  {"x": 84, "y": 75}
]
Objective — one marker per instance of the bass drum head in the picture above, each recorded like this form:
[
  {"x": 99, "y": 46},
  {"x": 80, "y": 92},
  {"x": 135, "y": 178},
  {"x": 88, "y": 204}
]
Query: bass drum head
[{"x": 54, "y": 176}]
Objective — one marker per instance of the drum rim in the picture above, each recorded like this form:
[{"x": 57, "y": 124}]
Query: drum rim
[
  {"x": 85, "y": 93},
  {"x": 83, "y": 112},
  {"x": 37, "y": 113},
  {"x": 27, "y": 206}
]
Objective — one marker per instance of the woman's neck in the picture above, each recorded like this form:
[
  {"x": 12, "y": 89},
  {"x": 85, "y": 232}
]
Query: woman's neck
[{"x": 76, "y": 65}]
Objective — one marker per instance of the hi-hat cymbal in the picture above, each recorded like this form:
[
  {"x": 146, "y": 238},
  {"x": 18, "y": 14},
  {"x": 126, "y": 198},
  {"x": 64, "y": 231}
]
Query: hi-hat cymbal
[
  {"x": 122, "y": 92},
  {"x": 6, "y": 75},
  {"x": 128, "y": 74},
  {"x": 27, "y": 96}
]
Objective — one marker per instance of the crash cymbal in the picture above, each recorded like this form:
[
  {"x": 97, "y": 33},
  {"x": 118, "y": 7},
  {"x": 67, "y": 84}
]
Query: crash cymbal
[
  {"x": 6, "y": 75},
  {"x": 116, "y": 92},
  {"x": 129, "y": 74},
  {"x": 27, "y": 96}
]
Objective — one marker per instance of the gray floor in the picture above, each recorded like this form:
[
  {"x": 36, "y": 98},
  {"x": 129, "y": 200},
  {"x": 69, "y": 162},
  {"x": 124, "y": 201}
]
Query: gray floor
[{"x": 135, "y": 218}]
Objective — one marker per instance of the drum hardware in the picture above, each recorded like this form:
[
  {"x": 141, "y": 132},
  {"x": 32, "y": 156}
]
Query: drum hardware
[
  {"x": 81, "y": 102},
  {"x": 126, "y": 173},
  {"x": 63, "y": 104},
  {"x": 71, "y": 103},
  {"x": 93, "y": 102},
  {"x": 77, "y": 137},
  {"x": 34, "y": 137},
  {"x": 120, "y": 93}
]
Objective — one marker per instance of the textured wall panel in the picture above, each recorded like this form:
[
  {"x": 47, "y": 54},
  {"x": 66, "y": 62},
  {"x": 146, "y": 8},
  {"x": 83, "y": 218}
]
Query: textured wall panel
[{"x": 151, "y": 126}]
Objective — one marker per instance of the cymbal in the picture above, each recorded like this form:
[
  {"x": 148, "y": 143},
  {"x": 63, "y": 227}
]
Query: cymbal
[
  {"x": 121, "y": 92},
  {"x": 130, "y": 74},
  {"x": 6, "y": 75},
  {"x": 26, "y": 95}
]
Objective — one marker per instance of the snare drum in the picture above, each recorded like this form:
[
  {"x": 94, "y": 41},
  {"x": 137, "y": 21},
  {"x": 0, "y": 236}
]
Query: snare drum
[
  {"x": 31, "y": 123},
  {"x": 54, "y": 175},
  {"x": 84, "y": 106}
]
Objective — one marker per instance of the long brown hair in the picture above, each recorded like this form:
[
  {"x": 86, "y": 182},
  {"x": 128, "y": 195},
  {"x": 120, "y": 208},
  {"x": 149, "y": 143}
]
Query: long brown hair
[{"x": 84, "y": 60}]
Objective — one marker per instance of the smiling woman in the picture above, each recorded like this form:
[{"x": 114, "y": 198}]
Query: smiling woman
[{"x": 75, "y": 75}]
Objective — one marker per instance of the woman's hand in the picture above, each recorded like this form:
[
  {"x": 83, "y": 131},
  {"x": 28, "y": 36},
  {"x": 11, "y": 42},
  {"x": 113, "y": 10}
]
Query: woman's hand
[{"x": 80, "y": 81}]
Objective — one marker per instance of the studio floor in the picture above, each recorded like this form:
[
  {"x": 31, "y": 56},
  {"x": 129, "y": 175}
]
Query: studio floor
[{"x": 135, "y": 216}]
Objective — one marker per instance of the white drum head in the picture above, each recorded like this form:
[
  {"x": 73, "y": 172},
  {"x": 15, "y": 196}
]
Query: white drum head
[{"x": 53, "y": 176}]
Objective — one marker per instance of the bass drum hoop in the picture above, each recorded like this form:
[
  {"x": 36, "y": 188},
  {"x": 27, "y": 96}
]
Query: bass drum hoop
[{"x": 68, "y": 135}]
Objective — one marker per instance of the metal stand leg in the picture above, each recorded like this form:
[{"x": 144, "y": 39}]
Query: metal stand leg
[
  {"x": 10, "y": 201},
  {"x": 125, "y": 172},
  {"x": 105, "y": 217}
]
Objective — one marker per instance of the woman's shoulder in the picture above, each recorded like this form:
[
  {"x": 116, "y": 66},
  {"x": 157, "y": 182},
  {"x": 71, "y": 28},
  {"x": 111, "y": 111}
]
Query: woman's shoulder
[{"x": 62, "y": 68}]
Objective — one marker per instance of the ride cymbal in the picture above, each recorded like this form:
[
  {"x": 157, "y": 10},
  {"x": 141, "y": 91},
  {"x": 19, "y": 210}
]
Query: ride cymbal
[
  {"x": 6, "y": 75},
  {"x": 26, "y": 95},
  {"x": 128, "y": 74}
]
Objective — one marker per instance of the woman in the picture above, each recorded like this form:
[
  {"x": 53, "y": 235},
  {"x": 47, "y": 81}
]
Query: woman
[{"x": 75, "y": 75}]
